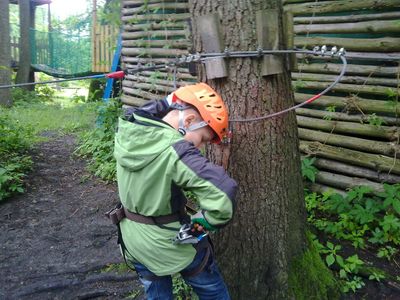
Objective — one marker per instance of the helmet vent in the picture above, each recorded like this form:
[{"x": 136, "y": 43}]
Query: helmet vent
[
  {"x": 217, "y": 106},
  {"x": 212, "y": 95}
]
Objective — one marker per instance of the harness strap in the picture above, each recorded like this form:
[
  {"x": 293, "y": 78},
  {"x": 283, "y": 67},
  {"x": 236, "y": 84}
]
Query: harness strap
[
  {"x": 201, "y": 266},
  {"x": 119, "y": 212}
]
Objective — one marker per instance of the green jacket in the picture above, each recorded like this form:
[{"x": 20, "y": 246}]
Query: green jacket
[{"x": 154, "y": 165}]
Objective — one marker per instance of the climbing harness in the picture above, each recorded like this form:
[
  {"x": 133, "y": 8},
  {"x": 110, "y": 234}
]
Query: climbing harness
[{"x": 190, "y": 234}]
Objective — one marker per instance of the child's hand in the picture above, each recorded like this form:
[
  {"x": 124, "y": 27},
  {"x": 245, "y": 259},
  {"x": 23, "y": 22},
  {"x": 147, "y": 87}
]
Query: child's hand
[{"x": 199, "y": 219}]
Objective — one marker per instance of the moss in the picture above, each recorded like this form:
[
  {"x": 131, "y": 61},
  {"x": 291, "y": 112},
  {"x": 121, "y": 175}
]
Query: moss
[
  {"x": 119, "y": 268},
  {"x": 310, "y": 278}
]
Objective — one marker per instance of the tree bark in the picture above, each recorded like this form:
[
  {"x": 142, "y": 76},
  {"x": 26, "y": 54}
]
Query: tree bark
[
  {"x": 26, "y": 13},
  {"x": 267, "y": 233},
  {"x": 5, "y": 53}
]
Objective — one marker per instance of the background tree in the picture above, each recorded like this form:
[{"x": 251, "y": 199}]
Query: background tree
[
  {"x": 264, "y": 252},
  {"x": 5, "y": 53},
  {"x": 26, "y": 21}
]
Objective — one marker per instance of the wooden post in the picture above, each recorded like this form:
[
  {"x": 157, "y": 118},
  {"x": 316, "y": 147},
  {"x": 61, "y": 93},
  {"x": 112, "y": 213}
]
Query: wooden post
[
  {"x": 288, "y": 27},
  {"x": 267, "y": 25},
  {"x": 209, "y": 29},
  {"x": 94, "y": 27}
]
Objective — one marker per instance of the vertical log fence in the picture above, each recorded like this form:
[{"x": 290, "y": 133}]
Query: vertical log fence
[{"x": 354, "y": 131}]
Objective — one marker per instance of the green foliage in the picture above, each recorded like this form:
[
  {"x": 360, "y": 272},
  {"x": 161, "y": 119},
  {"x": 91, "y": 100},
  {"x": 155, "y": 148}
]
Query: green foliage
[
  {"x": 331, "y": 108},
  {"x": 374, "y": 120},
  {"x": 98, "y": 144},
  {"x": 40, "y": 94},
  {"x": 307, "y": 169},
  {"x": 181, "y": 290},
  {"x": 362, "y": 217},
  {"x": 14, "y": 160}
]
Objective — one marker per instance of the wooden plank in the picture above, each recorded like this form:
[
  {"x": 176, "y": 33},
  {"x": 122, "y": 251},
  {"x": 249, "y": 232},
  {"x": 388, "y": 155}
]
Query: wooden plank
[
  {"x": 289, "y": 39},
  {"x": 359, "y": 80},
  {"x": 134, "y": 19},
  {"x": 160, "y": 52},
  {"x": 385, "y": 27},
  {"x": 340, "y": 6},
  {"x": 267, "y": 24},
  {"x": 211, "y": 38},
  {"x": 385, "y": 44},
  {"x": 352, "y": 69},
  {"x": 372, "y": 161},
  {"x": 353, "y": 103},
  {"x": 154, "y": 33},
  {"x": 146, "y": 8},
  {"x": 347, "y": 18},
  {"x": 98, "y": 48}
]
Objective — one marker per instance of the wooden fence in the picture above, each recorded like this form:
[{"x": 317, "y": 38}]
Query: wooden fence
[
  {"x": 353, "y": 131},
  {"x": 104, "y": 39}
]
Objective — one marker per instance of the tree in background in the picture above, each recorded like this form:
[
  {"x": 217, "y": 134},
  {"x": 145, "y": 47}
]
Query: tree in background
[
  {"x": 5, "y": 53},
  {"x": 26, "y": 19},
  {"x": 263, "y": 253}
]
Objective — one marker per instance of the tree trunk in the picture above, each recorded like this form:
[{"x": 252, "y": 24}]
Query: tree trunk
[
  {"x": 5, "y": 53},
  {"x": 263, "y": 252},
  {"x": 26, "y": 12}
]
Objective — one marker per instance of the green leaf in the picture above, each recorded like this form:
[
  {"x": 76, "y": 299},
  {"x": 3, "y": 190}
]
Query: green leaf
[{"x": 330, "y": 259}]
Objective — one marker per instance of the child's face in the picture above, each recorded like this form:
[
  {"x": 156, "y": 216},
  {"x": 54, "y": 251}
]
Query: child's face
[{"x": 200, "y": 137}]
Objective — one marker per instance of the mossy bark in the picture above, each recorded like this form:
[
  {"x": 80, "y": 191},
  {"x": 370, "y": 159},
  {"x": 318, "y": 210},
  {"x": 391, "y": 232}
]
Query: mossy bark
[{"x": 309, "y": 277}]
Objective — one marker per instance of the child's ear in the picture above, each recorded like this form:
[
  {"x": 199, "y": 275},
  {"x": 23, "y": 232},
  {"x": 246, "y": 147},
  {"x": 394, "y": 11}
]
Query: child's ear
[{"x": 190, "y": 118}]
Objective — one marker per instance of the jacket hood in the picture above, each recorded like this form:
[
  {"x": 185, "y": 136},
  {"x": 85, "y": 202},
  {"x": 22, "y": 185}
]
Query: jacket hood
[{"x": 137, "y": 145}]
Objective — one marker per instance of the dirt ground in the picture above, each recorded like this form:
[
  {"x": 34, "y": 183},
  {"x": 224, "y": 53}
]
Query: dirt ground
[{"x": 55, "y": 240}]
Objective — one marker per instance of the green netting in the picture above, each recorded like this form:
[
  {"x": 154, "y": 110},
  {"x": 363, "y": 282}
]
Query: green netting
[{"x": 60, "y": 54}]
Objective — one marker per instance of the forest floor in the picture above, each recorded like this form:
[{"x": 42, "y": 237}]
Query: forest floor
[{"x": 55, "y": 241}]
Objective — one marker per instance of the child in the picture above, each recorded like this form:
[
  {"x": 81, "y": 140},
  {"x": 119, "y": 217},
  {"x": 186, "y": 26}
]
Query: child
[{"x": 158, "y": 157}]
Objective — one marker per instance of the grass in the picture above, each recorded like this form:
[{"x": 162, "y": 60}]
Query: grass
[{"x": 61, "y": 116}]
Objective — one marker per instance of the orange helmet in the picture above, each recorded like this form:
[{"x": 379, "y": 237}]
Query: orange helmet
[{"x": 209, "y": 104}]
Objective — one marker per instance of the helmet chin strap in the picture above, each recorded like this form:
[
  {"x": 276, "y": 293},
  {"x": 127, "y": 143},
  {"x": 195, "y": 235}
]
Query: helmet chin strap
[{"x": 181, "y": 125}]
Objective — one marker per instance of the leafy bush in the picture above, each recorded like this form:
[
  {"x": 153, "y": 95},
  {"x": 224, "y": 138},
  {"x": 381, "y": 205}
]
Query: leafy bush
[
  {"x": 98, "y": 144},
  {"x": 42, "y": 93},
  {"x": 363, "y": 217},
  {"x": 14, "y": 161}
]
